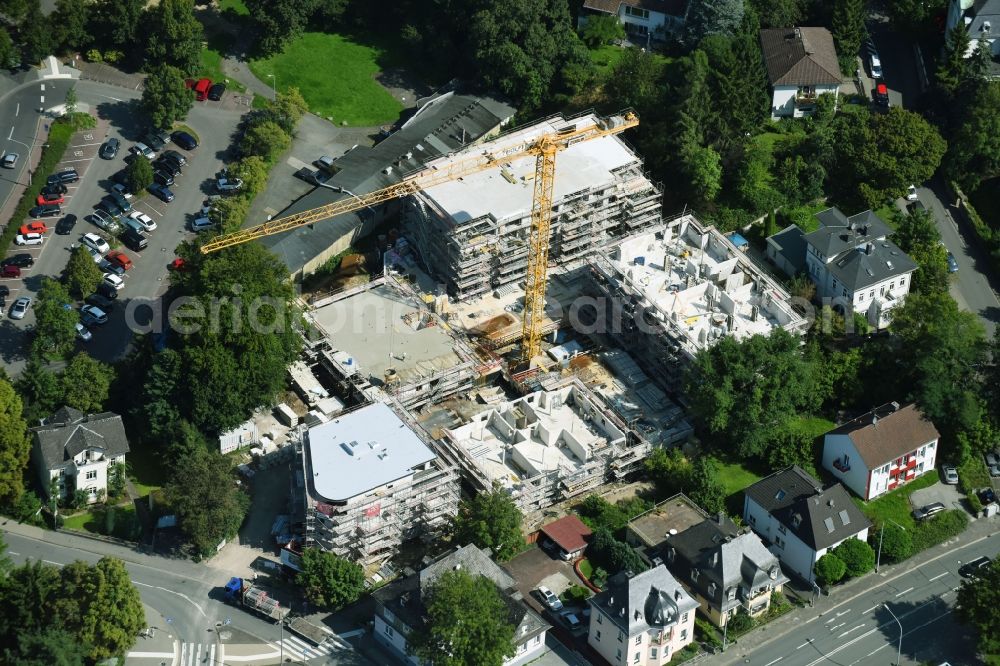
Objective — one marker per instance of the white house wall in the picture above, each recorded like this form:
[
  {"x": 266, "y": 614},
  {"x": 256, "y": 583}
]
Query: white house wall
[
  {"x": 856, "y": 478},
  {"x": 783, "y": 100}
]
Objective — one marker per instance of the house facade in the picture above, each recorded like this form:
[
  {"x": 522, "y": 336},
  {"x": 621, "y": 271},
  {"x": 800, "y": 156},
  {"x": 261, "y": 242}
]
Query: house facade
[
  {"x": 399, "y": 606},
  {"x": 726, "y": 569},
  {"x": 75, "y": 451},
  {"x": 881, "y": 450},
  {"x": 982, "y": 22},
  {"x": 855, "y": 265},
  {"x": 800, "y": 520},
  {"x": 641, "y": 619},
  {"x": 801, "y": 65},
  {"x": 655, "y": 19}
]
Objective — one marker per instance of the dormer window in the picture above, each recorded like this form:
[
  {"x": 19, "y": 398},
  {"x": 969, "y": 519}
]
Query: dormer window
[
  {"x": 796, "y": 521},
  {"x": 711, "y": 590},
  {"x": 732, "y": 593},
  {"x": 694, "y": 574}
]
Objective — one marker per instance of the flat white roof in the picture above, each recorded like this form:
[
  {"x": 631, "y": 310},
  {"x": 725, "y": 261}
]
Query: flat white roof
[
  {"x": 581, "y": 166},
  {"x": 363, "y": 450}
]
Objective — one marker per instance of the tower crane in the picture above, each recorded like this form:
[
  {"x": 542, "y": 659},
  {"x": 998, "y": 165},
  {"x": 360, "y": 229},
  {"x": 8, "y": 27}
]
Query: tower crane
[{"x": 543, "y": 148}]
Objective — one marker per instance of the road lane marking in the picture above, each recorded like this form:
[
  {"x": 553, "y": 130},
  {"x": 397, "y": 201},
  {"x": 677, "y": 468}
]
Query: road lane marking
[
  {"x": 870, "y": 609},
  {"x": 930, "y": 580},
  {"x": 151, "y": 655},
  {"x": 179, "y": 594},
  {"x": 906, "y": 591},
  {"x": 814, "y": 617},
  {"x": 837, "y": 626},
  {"x": 850, "y": 630},
  {"x": 86, "y": 159},
  {"x": 774, "y": 662},
  {"x": 842, "y": 647},
  {"x": 43, "y": 86},
  {"x": 57, "y": 564},
  {"x": 254, "y": 657},
  {"x": 877, "y": 649},
  {"x": 802, "y": 646},
  {"x": 17, "y": 109},
  {"x": 13, "y": 553},
  {"x": 11, "y": 133},
  {"x": 108, "y": 97}
]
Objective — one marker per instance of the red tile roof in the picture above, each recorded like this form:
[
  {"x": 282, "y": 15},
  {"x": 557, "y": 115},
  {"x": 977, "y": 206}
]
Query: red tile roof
[
  {"x": 888, "y": 432},
  {"x": 568, "y": 532}
]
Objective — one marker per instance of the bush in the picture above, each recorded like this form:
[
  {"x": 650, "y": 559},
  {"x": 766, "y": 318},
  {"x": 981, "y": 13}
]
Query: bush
[
  {"x": 938, "y": 530},
  {"x": 857, "y": 556},
  {"x": 575, "y": 594},
  {"x": 897, "y": 544},
  {"x": 706, "y": 633},
  {"x": 740, "y": 624},
  {"x": 972, "y": 475},
  {"x": 975, "y": 505},
  {"x": 830, "y": 569},
  {"x": 93, "y": 55},
  {"x": 613, "y": 555}
]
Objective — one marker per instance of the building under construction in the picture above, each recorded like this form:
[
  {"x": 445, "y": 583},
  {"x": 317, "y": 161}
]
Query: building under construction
[
  {"x": 680, "y": 287},
  {"x": 473, "y": 232}
]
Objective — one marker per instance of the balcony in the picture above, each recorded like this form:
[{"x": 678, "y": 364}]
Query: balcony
[
  {"x": 841, "y": 465},
  {"x": 805, "y": 99}
]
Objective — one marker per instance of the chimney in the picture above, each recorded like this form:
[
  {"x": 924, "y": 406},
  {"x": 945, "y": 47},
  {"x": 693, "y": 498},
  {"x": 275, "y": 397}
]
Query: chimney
[
  {"x": 829, "y": 502},
  {"x": 869, "y": 248},
  {"x": 895, "y": 406}
]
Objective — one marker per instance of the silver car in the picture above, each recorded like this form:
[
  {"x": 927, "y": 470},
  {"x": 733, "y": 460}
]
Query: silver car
[
  {"x": 949, "y": 474},
  {"x": 9, "y": 160},
  {"x": 20, "y": 308}
]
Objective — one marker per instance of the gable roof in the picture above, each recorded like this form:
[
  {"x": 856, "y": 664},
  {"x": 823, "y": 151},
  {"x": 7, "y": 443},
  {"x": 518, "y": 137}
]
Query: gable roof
[
  {"x": 819, "y": 517},
  {"x": 639, "y": 602},
  {"x": 838, "y": 233},
  {"x": 670, "y": 7},
  {"x": 69, "y": 432},
  {"x": 983, "y": 11},
  {"x": 888, "y": 432},
  {"x": 568, "y": 532},
  {"x": 790, "y": 243},
  {"x": 800, "y": 57}
]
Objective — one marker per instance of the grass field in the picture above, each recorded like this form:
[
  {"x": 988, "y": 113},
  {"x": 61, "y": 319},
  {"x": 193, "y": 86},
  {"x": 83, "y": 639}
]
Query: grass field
[
  {"x": 235, "y": 6},
  {"x": 735, "y": 477},
  {"x": 606, "y": 57},
  {"x": 80, "y": 522},
  {"x": 896, "y": 505},
  {"x": 336, "y": 76}
]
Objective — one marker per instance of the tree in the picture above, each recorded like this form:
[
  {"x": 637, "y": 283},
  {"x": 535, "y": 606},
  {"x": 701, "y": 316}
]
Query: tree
[
  {"x": 713, "y": 17},
  {"x": 602, "y": 29},
  {"x": 953, "y": 69},
  {"x": 101, "y": 606},
  {"x": 706, "y": 489},
  {"x": 974, "y": 150},
  {"x": 70, "y": 19},
  {"x": 139, "y": 173},
  {"x": 779, "y": 13},
  {"x": 174, "y": 35},
  {"x": 15, "y": 446},
  {"x": 82, "y": 275},
  {"x": 848, "y": 28},
  {"x": 490, "y": 520},
  {"x": 635, "y": 79},
  {"x": 286, "y": 109},
  {"x": 14, "y": 10},
  {"x": 41, "y": 390},
  {"x": 55, "y": 325},
  {"x": 830, "y": 569},
  {"x": 917, "y": 235},
  {"x": 117, "y": 24},
  {"x": 669, "y": 470},
  {"x": 977, "y": 603},
  {"x": 161, "y": 390},
  {"x": 231, "y": 212},
  {"x": 9, "y": 55},
  {"x": 329, "y": 581},
  {"x": 252, "y": 171},
  {"x": 605, "y": 551},
  {"x": 117, "y": 480},
  {"x": 209, "y": 505},
  {"x": 703, "y": 168},
  {"x": 467, "y": 622},
  {"x": 857, "y": 556},
  {"x": 266, "y": 140},
  {"x": 897, "y": 544},
  {"x": 279, "y": 22},
  {"x": 165, "y": 97},
  {"x": 85, "y": 383},
  {"x": 36, "y": 34},
  {"x": 916, "y": 16},
  {"x": 51, "y": 647}
]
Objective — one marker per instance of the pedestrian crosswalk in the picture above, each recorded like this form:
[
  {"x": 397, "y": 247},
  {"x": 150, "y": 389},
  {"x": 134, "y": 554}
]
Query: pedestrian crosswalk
[
  {"x": 298, "y": 649},
  {"x": 197, "y": 653}
]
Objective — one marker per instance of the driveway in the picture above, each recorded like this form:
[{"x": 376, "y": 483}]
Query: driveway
[{"x": 939, "y": 492}]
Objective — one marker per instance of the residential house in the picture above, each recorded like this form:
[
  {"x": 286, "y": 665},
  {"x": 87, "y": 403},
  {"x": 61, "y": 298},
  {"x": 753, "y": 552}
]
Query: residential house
[
  {"x": 641, "y": 618},
  {"x": 881, "y": 450},
  {"x": 642, "y": 19},
  {"x": 982, "y": 21},
  {"x": 801, "y": 65},
  {"x": 400, "y": 606},
  {"x": 74, "y": 451},
  {"x": 787, "y": 250},
  {"x": 725, "y": 568},
  {"x": 800, "y": 519},
  {"x": 568, "y": 537}
]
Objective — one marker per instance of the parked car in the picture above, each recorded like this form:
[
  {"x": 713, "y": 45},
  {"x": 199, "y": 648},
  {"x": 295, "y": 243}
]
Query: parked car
[
  {"x": 185, "y": 140},
  {"x": 110, "y": 206},
  {"x": 102, "y": 302},
  {"x": 952, "y": 263},
  {"x": 120, "y": 258},
  {"x": 114, "y": 281},
  {"x": 144, "y": 150},
  {"x": 9, "y": 160},
  {"x": 987, "y": 496},
  {"x": 105, "y": 221},
  {"x": 911, "y": 193},
  {"x": 163, "y": 178},
  {"x": 153, "y": 141},
  {"x": 110, "y": 148},
  {"x": 177, "y": 264},
  {"x": 201, "y": 89},
  {"x": 64, "y": 176},
  {"x": 134, "y": 240},
  {"x": 34, "y": 227},
  {"x": 122, "y": 201},
  {"x": 972, "y": 568},
  {"x": 29, "y": 239},
  {"x": 122, "y": 190},
  {"x": 875, "y": 65},
  {"x": 168, "y": 165},
  {"x": 162, "y": 134},
  {"x": 145, "y": 221},
  {"x": 107, "y": 292},
  {"x": 108, "y": 267},
  {"x": 50, "y": 198},
  {"x": 571, "y": 620},
  {"x": 993, "y": 458},
  {"x": 48, "y": 210},
  {"x": 549, "y": 598},
  {"x": 22, "y": 260},
  {"x": 216, "y": 92},
  {"x": 83, "y": 333},
  {"x": 949, "y": 474},
  {"x": 54, "y": 188},
  {"x": 229, "y": 185},
  {"x": 880, "y": 94},
  {"x": 201, "y": 224},
  {"x": 91, "y": 314},
  {"x": 994, "y": 471},
  {"x": 161, "y": 192},
  {"x": 174, "y": 155},
  {"x": 20, "y": 307},
  {"x": 10, "y": 271},
  {"x": 925, "y": 512},
  {"x": 96, "y": 242}
]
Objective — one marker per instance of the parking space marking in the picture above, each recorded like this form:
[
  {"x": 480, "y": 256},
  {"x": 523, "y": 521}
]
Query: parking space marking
[
  {"x": 84, "y": 145},
  {"x": 86, "y": 159}
]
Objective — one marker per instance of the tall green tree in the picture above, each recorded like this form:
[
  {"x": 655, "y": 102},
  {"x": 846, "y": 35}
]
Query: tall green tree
[
  {"x": 14, "y": 9},
  {"x": 266, "y": 140},
  {"x": 252, "y": 170},
  {"x": 916, "y": 16},
  {"x": 953, "y": 68},
  {"x": 976, "y": 606},
  {"x": 848, "y": 28},
  {"x": 706, "y": 488},
  {"x": 329, "y": 581},
  {"x": 974, "y": 150},
  {"x": 41, "y": 390},
  {"x": 51, "y": 647},
  {"x": 490, "y": 520},
  {"x": 116, "y": 23},
  {"x": 602, "y": 29},
  {"x": 55, "y": 325},
  {"x": 36, "y": 35},
  {"x": 9, "y": 55},
  {"x": 174, "y": 36},
  {"x": 635, "y": 79},
  {"x": 161, "y": 391},
  {"x": 139, "y": 172},
  {"x": 81, "y": 275},
  {"x": 70, "y": 19},
  {"x": 917, "y": 235},
  {"x": 467, "y": 622},
  {"x": 830, "y": 569},
  {"x": 85, "y": 383},
  {"x": 165, "y": 97},
  {"x": 279, "y": 21},
  {"x": 713, "y": 17},
  {"x": 857, "y": 556},
  {"x": 779, "y": 13},
  {"x": 286, "y": 109},
  {"x": 15, "y": 447}
]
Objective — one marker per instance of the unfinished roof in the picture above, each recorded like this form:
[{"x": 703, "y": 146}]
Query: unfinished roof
[
  {"x": 507, "y": 193},
  {"x": 362, "y": 451},
  {"x": 69, "y": 433},
  {"x": 819, "y": 517},
  {"x": 569, "y": 533},
  {"x": 640, "y": 602},
  {"x": 887, "y": 433},
  {"x": 800, "y": 57}
]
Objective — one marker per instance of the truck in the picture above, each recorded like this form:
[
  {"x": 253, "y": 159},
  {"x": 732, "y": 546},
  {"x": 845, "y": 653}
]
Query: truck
[{"x": 243, "y": 592}]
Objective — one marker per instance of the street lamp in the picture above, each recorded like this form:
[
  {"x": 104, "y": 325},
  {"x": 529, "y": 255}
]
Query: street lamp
[
  {"x": 899, "y": 652},
  {"x": 881, "y": 533},
  {"x": 274, "y": 85}
]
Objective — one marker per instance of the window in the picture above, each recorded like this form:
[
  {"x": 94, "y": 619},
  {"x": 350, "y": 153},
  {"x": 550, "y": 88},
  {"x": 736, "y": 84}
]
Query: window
[
  {"x": 694, "y": 574},
  {"x": 871, "y": 294},
  {"x": 636, "y": 12},
  {"x": 891, "y": 285},
  {"x": 861, "y": 298},
  {"x": 619, "y": 655},
  {"x": 752, "y": 519},
  {"x": 92, "y": 474},
  {"x": 600, "y": 618},
  {"x": 881, "y": 291},
  {"x": 684, "y": 618},
  {"x": 538, "y": 639},
  {"x": 621, "y": 637},
  {"x": 782, "y": 529},
  {"x": 732, "y": 593},
  {"x": 684, "y": 634},
  {"x": 923, "y": 450},
  {"x": 902, "y": 281},
  {"x": 844, "y": 293},
  {"x": 652, "y": 653},
  {"x": 597, "y": 636},
  {"x": 635, "y": 658},
  {"x": 406, "y": 647},
  {"x": 638, "y": 639},
  {"x": 389, "y": 632}
]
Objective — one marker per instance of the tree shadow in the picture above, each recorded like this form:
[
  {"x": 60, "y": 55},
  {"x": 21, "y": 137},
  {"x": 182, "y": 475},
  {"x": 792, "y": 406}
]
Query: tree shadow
[{"x": 931, "y": 633}]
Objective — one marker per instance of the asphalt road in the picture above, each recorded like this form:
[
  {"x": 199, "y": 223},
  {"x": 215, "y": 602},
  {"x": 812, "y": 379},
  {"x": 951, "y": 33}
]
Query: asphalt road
[{"x": 861, "y": 630}]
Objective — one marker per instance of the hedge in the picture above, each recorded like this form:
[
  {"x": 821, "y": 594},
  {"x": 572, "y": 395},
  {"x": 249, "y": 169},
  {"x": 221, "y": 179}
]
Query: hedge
[
  {"x": 59, "y": 136},
  {"x": 938, "y": 530}
]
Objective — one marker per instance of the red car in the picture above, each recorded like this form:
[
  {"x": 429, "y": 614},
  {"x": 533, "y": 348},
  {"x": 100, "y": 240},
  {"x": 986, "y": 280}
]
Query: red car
[
  {"x": 201, "y": 89},
  {"x": 10, "y": 272},
  {"x": 177, "y": 264},
  {"x": 36, "y": 227},
  {"x": 120, "y": 258},
  {"x": 50, "y": 199}
]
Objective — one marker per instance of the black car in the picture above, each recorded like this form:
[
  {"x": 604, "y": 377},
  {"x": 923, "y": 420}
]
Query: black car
[
  {"x": 174, "y": 155},
  {"x": 987, "y": 496},
  {"x": 47, "y": 210},
  {"x": 972, "y": 569},
  {"x": 163, "y": 178},
  {"x": 216, "y": 92},
  {"x": 161, "y": 192},
  {"x": 67, "y": 176},
  {"x": 925, "y": 512},
  {"x": 134, "y": 240},
  {"x": 162, "y": 134},
  {"x": 185, "y": 140},
  {"x": 107, "y": 291},
  {"x": 54, "y": 189},
  {"x": 64, "y": 227},
  {"x": 168, "y": 159},
  {"x": 168, "y": 167},
  {"x": 110, "y": 148},
  {"x": 101, "y": 302},
  {"x": 153, "y": 141},
  {"x": 109, "y": 206},
  {"x": 22, "y": 260},
  {"x": 4, "y": 291},
  {"x": 120, "y": 177}
]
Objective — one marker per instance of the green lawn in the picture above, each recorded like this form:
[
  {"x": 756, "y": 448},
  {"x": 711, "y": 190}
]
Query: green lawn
[
  {"x": 606, "y": 57},
  {"x": 211, "y": 61},
  {"x": 336, "y": 76},
  {"x": 586, "y": 568},
  {"x": 147, "y": 470},
  {"x": 896, "y": 505},
  {"x": 80, "y": 522},
  {"x": 735, "y": 477},
  {"x": 235, "y": 6}
]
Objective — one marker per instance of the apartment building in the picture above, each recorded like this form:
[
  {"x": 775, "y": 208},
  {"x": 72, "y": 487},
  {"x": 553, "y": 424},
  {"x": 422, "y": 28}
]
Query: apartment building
[{"x": 472, "y": 233}]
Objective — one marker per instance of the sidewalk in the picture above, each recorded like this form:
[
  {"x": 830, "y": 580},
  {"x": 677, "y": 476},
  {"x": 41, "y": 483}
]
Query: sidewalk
[
  {"x": 34, "y": 156},
  {"x": 842, "y": 594}
]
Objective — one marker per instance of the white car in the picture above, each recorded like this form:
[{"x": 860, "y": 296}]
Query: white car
[
  {"x": 83, "y": 332},
  {"x": 113, "y": 280},
  {"x": 122, "y": 190},
  {"x": 549, "y": 598},
  {"x": 105, "y": 221},
  {"x": 145, "y": 220},
  {"x": 96, "y": 242},
  {"x": 94, "y": 254},
  {"x": 29, "y": 239},
  {"x": 144, "y": 150},
  {"x": 876, "y": 66},
  {"x": 911, "y": 193},
  {"x": 229, "y": 184}
]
